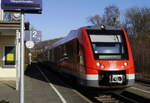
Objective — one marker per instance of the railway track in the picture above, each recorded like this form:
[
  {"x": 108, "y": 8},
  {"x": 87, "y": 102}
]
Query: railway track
[
  {"x": 107, "y": 96},
  {"x": 102, "y": 96},
  {"x": 112, "y": 96},
  {"x": 107, "y": 99}
]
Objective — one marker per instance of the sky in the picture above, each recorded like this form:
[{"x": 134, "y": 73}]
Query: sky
[{"x": 59, "y": 17}]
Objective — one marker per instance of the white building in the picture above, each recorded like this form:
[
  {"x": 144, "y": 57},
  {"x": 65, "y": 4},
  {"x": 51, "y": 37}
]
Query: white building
[{"x": 9, "y": 31}]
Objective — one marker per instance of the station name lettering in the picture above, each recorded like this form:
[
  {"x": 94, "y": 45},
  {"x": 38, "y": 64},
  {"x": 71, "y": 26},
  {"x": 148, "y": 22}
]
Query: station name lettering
[{"x": 22, "y": 1}]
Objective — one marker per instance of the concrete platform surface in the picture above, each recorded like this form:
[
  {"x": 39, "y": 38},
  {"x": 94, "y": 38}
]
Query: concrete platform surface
[{"x": 40, "y": 90}]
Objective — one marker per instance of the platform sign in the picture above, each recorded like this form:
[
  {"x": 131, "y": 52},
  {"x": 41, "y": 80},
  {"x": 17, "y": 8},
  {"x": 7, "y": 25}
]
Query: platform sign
[
  {"x": 29, "y": 44},
  {"x": 36, "y": 35},
  {"x": 27, "y": 6}
]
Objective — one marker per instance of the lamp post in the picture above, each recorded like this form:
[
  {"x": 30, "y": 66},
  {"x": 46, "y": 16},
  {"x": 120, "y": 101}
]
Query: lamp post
[{"x": 22, "y": 60}]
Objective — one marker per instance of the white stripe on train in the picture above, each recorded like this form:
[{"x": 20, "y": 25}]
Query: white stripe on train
[
  {"x": 95, "y": 77},
  {"x": 130, "y": 76},
  {"x": 92, "y": 76}
]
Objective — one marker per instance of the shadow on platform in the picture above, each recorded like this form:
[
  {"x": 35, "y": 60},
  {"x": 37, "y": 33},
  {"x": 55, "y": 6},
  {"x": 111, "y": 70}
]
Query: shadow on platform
[{"x": 33, "y": 72}]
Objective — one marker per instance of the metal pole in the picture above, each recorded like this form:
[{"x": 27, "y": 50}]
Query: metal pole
[
  {"x": 30, "y": 55},
  {"x": 30, "y": 34},
  {"x": 17, "y": 60},
  {"x": 22, "y": 61}
]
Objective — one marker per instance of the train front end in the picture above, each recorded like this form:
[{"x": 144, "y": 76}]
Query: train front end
[{"x": 108, "y": 58}]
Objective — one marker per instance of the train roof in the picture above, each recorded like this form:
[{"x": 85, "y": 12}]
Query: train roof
[
  {"x": 101, "y": 27},
  {"x": 74, "y": 33}
]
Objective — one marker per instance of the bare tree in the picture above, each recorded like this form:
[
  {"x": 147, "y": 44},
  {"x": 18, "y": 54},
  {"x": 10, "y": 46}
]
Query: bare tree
[
  {"x": 111, "y": 15},
  {"x": 96, "y": 20},
  {"x": 137, "y": 21}
]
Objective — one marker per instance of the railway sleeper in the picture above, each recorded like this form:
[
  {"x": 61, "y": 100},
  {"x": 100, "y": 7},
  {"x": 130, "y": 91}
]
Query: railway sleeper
[
  {"x": 123, "y": 98},
  {"x": 107, "y": 99}
]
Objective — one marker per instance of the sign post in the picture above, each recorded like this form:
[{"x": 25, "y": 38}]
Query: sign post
[
  {"x": 22, "y": 6},
  {"x": 30, "y": 45},
  {"x": 22, "y": 61}
]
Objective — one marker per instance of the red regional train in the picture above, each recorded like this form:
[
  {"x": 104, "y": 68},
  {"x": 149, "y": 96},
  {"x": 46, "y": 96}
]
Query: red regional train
[{"x": 97, "y": 56}]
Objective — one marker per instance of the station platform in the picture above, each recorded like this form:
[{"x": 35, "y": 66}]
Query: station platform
[{"x": 40, "y": 90}]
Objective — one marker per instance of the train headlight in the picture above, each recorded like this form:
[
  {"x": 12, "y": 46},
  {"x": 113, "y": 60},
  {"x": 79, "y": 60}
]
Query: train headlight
[
  {"x": 98, "y": 64},
  {"x": 102, "y": 27},
  {"x": 102, "y": 66},
  {"x": 125, "y": 63},
  {"x": 122, "y": 66}
]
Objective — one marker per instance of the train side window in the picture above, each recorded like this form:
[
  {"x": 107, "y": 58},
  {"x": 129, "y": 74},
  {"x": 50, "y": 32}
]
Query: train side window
[
  {"x": 69, "y": 48},
  {"x": 65, "y": 52},
  {"x": 78, "y": 47},
  {"x": 77, "y": 52},
  {"x": 53, "y": 59},
  {"x": 81, "y": 58},
  {"x": 80, "y": 55}
]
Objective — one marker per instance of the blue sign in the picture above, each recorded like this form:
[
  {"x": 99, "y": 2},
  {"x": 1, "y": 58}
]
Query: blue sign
[{"x": 33, "y": 6}]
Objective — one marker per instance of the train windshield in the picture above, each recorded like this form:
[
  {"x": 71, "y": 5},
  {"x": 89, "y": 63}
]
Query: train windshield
[
  {"x": 107, "y": 48},
  {"x": 108, "y": 44}
]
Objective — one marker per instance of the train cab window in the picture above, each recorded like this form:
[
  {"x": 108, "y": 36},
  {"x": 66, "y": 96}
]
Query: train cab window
[
  {"x": 108, "y": 44},
  {"x": 107, "y": 48}
]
